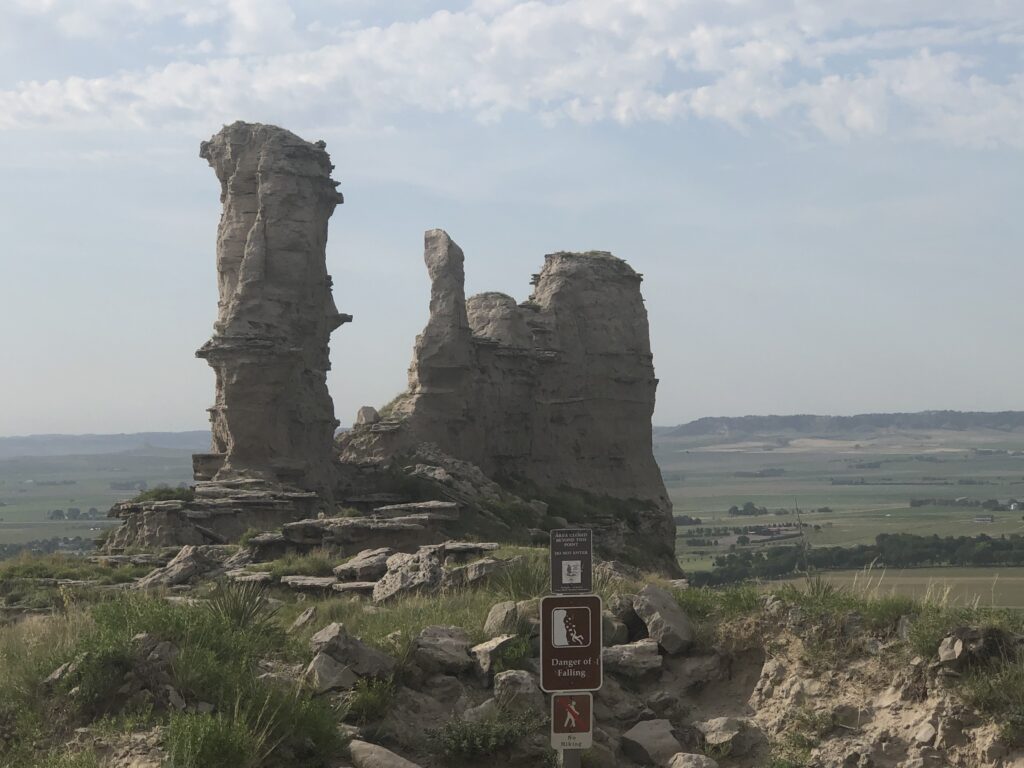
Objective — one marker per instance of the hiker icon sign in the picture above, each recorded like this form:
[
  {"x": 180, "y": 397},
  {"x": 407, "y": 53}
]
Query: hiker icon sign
[
  {"x": 570, "y": 627},
  {"x": 572, "y": 720}
]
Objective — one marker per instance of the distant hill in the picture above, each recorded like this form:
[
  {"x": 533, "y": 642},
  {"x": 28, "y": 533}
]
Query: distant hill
[
  {"x": 829, "y": 425},
  {"x": 77, "y": 445}
]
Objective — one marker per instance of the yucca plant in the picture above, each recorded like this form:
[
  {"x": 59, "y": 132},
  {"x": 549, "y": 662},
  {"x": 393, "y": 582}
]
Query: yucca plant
[{"x": 243, "y": 607}]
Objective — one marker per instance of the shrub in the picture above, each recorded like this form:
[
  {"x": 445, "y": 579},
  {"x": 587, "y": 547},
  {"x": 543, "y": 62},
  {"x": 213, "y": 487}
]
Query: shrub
[
  {"x": 462, "y": 740},
  {"x": 243, "y": 607}
]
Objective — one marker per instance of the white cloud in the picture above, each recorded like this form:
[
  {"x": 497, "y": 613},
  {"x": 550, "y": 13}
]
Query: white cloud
[{"x": 844, "y": 69}]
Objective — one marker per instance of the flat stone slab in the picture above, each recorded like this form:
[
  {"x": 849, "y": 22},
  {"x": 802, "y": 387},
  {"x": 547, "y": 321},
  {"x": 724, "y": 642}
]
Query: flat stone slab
[
  {"x": 370, "y": 564},
  {"x": 309, "y": 583},
  {"x": 469, "y": 547},
  {"x": 439, "y": 510},
  {"x": 354, "y": 587},
  {"x": 243, "y": 576}
]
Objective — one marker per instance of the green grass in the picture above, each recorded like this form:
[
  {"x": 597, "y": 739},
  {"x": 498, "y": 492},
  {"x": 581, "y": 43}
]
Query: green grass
[
  {"x": 316, "y": 563},
  {"x": 60, "y": 566},
  {"x": 199, "y": 740},
  {"x": 1000, "y": 587},
  {"x": 219, "y": 646}
]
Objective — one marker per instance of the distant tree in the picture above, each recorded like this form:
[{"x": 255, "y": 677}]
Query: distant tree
[{"x": 742, "y": 540}]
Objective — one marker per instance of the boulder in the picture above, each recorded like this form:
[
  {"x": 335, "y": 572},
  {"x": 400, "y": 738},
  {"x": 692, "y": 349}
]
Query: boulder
[
  {"x": 366, "y": 755},
  {"x": 502, "y": 619},
  {"x": 633, "y": 660},
  {"x": 191, "y": 562},
  {"x": 368, "y": 565},
  {"x": 651, "y": 742},
  {"x": 688, "y": 760},
  {"x": 487, "y": 653},
  {"x": 411, "y": 574},
  {"x": 516, "y": 691},
  {"x": 735, "y": 736},
  {"x": 613, "y": 631},
  {"x": 664, "y": 619},
  {"x": 364, "y": 661},
  {"x": 621, "y": 607},
  {"x": 325, "y": 674},
  {"x": 443, "y": 649}
]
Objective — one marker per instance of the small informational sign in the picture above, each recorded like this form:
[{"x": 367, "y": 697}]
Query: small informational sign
[
  {"x": 570, "y": 643},
  {"x": 572, "y": 720},
  {"x": 572, "y": 561}
]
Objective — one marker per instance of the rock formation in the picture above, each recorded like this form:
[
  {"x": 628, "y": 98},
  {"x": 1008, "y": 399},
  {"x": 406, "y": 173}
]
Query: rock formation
[
  {"x": 557, "y": 391},
  {"x": 273, "y": 420}
]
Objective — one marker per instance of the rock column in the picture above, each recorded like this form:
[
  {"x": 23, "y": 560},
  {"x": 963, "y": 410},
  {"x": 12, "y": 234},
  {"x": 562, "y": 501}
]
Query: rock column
[{"x": 273, "y": 420}]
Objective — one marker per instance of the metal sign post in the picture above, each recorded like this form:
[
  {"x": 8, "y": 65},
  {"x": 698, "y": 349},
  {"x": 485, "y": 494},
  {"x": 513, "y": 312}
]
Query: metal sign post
[{"x": 571, "y": 642}]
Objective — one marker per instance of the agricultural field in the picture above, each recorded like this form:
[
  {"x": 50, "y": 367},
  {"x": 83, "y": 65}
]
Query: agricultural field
[
  {"x": 31, "y": 487},
  {"x": 865, "y": 483}
]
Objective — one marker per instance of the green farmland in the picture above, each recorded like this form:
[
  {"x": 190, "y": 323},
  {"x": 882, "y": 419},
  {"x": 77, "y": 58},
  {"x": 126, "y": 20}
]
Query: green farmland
[
  {"x": 865, "y": 481},
  {"x": 31, "y": 487}
]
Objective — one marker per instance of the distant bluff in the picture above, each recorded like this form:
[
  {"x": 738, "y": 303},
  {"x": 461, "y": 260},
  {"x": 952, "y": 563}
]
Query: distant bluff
[{"x": 826, "y": 425}]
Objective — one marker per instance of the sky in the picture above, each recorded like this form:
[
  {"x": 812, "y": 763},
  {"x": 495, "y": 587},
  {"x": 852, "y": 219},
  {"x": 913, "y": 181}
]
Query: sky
[{"x": 824, "y": 197}]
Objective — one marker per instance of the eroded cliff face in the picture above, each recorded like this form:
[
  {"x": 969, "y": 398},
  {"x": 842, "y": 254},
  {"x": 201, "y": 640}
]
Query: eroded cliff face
[
  {"x": 273, "y": 419},
  {"x": 558, "y": 391}
]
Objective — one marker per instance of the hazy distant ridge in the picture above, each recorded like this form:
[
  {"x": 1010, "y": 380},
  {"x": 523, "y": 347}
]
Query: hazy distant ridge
[
  {"x": 68, "y": 445},
  {"x": 823, "y": 425}
]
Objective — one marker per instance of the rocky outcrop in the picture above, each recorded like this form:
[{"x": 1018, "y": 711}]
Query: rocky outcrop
[
  {"x": 273, "y": 418},
  {"x": 558, "y": 390}
]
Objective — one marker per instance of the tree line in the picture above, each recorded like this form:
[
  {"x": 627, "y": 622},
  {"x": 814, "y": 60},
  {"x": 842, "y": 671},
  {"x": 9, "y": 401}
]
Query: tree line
[{"x": 890, "y": 550}]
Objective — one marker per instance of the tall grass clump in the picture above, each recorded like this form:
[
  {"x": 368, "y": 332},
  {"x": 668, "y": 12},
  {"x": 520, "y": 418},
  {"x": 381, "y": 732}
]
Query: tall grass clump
[
  {"x": 201, "y": 740},
  {"x": 319, "y": 562},
  {"x": 219, "y": 646},
  {"x": 523, "y": 579}
]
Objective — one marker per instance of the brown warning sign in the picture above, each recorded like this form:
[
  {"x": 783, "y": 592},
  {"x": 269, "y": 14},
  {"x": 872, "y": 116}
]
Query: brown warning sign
[
  {"x": 572, "y": 720},
  {"x": 570, "y": 643}
]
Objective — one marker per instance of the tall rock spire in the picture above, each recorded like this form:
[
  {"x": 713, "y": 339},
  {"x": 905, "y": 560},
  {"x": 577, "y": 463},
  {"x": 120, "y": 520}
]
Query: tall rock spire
[{"x": 273, "y": 418}]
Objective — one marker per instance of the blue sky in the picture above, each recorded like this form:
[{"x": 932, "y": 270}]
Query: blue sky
[{"x": 824, "y": 197}]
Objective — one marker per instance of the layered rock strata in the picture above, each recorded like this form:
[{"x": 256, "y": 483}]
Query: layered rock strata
[
  {"x": 558, "y": 390},
  {"x": 273, "y": 421},
  {"x": 273, "y": 418}
]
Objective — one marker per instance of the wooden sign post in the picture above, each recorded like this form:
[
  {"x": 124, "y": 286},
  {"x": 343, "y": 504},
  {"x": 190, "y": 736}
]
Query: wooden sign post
[{"x": 570, "y": 643}]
